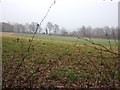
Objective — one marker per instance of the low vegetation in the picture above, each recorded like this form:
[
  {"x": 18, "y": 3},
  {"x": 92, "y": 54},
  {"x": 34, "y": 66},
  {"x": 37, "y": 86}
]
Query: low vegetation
[{"x": 59, "y": 62}]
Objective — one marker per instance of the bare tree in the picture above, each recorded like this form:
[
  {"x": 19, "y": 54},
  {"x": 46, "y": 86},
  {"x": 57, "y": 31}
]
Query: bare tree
[
  {"x": 27, "y": 27},
  {"x": 32, "y": 27},
  {"x": 19, "y": 28},
  {"x": 82, "y": 31},
  {"x": 98, "y": 32},
  {"x": 49, "y": 26},
  {"x": 7, "y": 27},
  {"x": 63, "y": 32},
  {"x": 74, "y": 33},
  {"x": 56, "y": 29},
  {"x": 107, "y": 30},
  {"x": 89, "y": 31}
]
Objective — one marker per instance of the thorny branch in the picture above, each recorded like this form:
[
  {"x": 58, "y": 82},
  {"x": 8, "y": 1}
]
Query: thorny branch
[{"x": 29, "y": 47}]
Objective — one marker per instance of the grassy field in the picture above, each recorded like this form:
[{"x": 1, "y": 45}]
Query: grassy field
[
  {"x": 58, "y": 62},
  {"x": 71, "y": 39}
]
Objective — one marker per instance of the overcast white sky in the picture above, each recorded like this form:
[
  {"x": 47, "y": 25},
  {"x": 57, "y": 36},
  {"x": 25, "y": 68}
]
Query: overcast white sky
[{"x": 70, "y": 14}]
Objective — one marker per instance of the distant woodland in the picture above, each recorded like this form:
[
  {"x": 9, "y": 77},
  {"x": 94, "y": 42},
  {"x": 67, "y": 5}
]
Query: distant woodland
[{"x": 54, "y": 29}]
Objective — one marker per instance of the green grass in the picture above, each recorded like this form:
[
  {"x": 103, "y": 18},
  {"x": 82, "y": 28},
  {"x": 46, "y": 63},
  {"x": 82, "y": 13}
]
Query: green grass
[
  {"x": 57, "y": 61},
  {"x": 71, "y": 39}
]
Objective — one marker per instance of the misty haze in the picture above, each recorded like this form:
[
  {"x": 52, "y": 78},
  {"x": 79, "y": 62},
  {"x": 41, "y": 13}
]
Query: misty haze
[{"x": 60, "y": 44}]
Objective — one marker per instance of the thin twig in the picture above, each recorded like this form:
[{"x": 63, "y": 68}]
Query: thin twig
[{"x": 29, "y": 47}]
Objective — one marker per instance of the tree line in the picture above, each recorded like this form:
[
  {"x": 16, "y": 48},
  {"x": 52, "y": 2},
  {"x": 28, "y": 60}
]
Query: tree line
[
  {"x": 54, "y": 29},
  {"x": 98, "y": 32}
]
